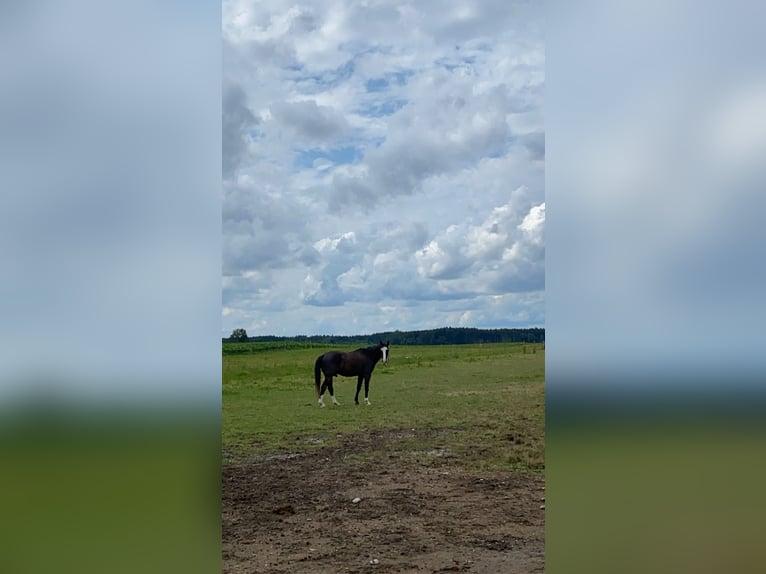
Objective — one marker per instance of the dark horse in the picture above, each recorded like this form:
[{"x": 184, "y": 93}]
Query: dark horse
[{"x": 359, "y": 363}]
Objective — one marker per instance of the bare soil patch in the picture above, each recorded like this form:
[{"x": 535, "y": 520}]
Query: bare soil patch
[{"x": 294, "y": 513}]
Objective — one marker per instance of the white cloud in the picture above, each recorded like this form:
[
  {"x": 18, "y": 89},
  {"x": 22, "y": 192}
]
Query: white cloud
[
  {"x": 341, "y": 242},
  {"x": 237, "y": 120},
  {"x": 391, "y": 172},
  {"x": 533, "y": 225},
  {"x": 498, "y": 255},
  {"x": 309, "y": 121}
]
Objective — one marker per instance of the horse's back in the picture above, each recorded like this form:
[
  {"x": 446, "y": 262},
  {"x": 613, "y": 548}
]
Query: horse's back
[
  {"x": 330, "y": 362},
  {"x": 332, "y": 357},
  {"x": 345, "y": 364}
]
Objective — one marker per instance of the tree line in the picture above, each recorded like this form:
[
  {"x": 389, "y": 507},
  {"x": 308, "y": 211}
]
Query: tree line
[{"x": 441, "y": 336}]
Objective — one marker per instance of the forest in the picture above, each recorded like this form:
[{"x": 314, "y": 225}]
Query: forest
[{"x": 441, "y": 336}]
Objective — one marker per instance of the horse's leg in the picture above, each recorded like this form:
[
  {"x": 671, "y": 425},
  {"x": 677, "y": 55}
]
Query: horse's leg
[
  {"x": 358, "y": 388},
  {"x": 327, "y": 382},
  {"x": 332, "y": 393},
  {"x": 367, "y": 390}
]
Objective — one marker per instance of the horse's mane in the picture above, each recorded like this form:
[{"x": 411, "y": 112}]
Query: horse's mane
[{"x": 369, "y": 350}]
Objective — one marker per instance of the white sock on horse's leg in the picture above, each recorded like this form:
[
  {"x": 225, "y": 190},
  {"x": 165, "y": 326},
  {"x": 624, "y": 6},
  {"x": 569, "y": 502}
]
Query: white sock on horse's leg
[
  {"x": 335, "y": 402},
  {"x": 367, "y": 401},
  {"x": 321, "y": 402}
]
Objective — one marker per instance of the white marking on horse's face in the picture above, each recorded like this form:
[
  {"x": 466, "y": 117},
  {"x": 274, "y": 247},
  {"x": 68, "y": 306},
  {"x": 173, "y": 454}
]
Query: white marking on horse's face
[{"x": 384, "y": 350}]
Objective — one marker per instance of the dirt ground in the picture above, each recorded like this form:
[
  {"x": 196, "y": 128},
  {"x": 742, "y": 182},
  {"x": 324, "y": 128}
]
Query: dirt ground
[{"x": 295, "y": 513}]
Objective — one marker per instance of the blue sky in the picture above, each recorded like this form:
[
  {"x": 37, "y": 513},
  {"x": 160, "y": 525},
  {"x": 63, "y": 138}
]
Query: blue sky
[{"x": 383, "y": 166}]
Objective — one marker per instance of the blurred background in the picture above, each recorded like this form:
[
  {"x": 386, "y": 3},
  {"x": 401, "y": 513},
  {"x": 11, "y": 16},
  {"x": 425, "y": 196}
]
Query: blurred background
[
  {"x": 655, "y": 140},
  {"x": 110, "y": 167}
]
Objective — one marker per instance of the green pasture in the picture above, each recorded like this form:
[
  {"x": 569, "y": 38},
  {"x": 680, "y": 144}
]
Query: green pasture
[{"x": 480, "y": 405}]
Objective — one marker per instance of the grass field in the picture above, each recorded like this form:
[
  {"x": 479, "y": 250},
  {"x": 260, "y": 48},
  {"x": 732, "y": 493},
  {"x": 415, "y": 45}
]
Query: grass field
[{"x": 481, "y": 406}]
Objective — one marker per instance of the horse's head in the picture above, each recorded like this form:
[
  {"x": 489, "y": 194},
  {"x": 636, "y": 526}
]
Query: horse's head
[{"x": 384, "y": 349}]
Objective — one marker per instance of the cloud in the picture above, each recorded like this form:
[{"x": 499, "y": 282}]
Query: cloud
[
  {"x": 500, "y": 255},
  {"x": 308, "y": 121},
  {"x": 535, "y": 144},
  {"x": 262, "y": 229},
  {"x": 446, "y": 128},
  {"x": 338, "y": 254},
  {"x": 504, "y": 253},
  {"x": 442, "y": 259},
  {"x": 523, "y": 264},
  {"x": 391, "y": 172},
  {"x": 237, "y": 121}
]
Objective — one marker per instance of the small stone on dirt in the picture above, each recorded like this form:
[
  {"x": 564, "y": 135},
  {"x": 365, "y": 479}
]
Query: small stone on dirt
[
  {"x": 374, "y": 561},
  {"x": 356, "y": 500}
]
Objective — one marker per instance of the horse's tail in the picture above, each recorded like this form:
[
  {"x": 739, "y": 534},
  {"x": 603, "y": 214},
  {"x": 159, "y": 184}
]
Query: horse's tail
[{"x": 318, "y": 373}]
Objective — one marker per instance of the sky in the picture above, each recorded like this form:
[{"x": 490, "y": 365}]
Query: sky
[{"x": 383, "y": 166}]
